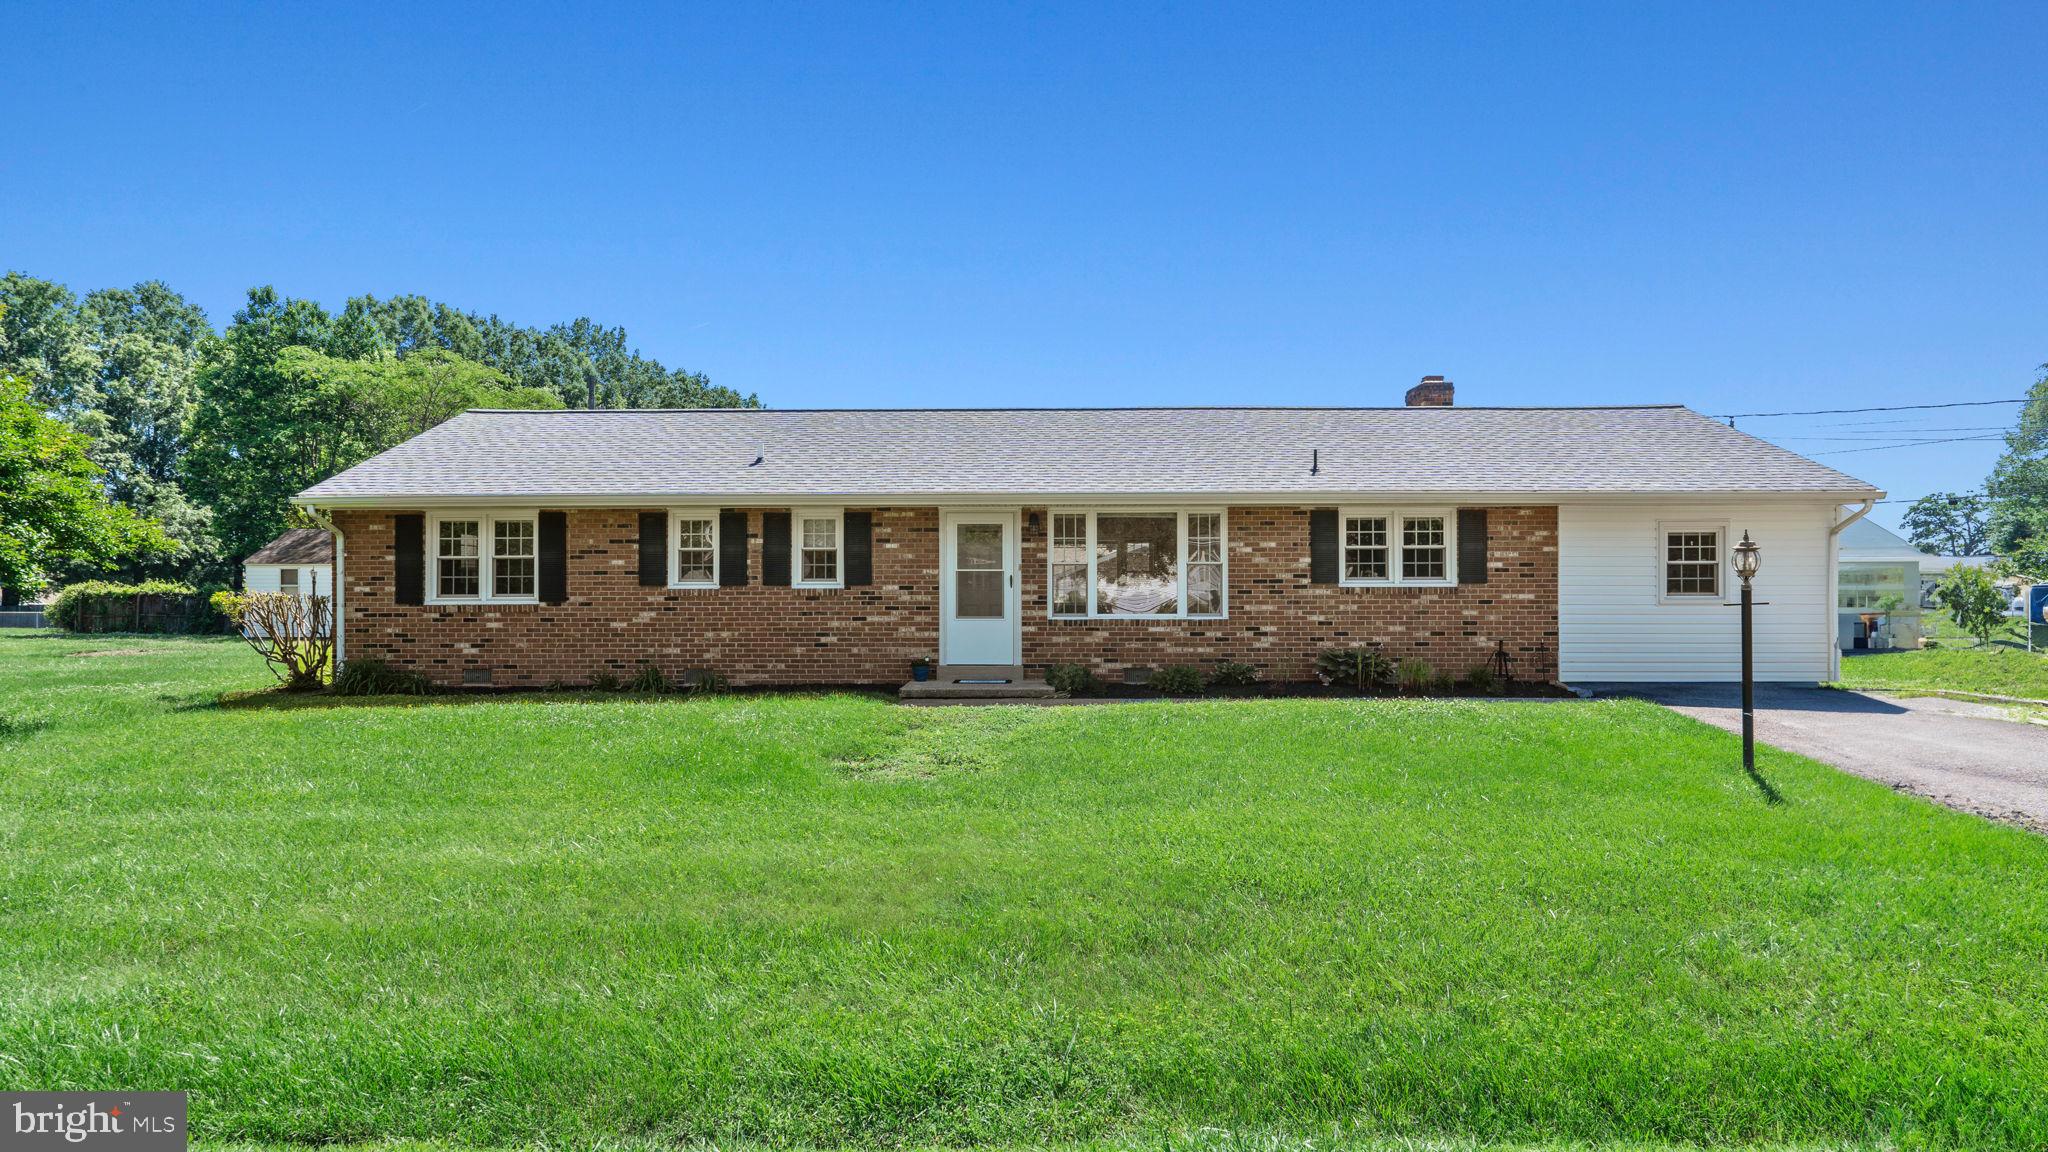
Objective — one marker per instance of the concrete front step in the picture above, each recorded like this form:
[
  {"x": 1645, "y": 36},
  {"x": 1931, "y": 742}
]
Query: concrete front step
[{"x": 967, "y": 682}]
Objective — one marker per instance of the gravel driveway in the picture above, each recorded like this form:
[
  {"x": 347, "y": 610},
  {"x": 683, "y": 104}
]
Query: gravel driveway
[{"x": 1949, "y": 751}]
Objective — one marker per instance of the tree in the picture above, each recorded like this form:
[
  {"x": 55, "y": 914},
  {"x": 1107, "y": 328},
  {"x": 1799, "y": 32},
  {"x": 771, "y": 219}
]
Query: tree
[
  {"x": 2018, "y": 485},
  {"x": 119, "y": 366},
  {"x": 350, "y": 410},
  {"x": 582, "y": 362},
  {"x": 282, "y": 409},
  {"x": 1948, "y": 524},
  {"x": 1973, "y": 601},
  {"x": 245, "y": 460},
  {"x": 53, "y": 510},
  {"x": 41, "y": 342}
]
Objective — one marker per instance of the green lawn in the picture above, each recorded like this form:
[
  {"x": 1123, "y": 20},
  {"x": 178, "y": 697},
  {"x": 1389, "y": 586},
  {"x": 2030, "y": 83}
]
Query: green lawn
[
  {"x": 1961, "y": 664},
  {"x": 819, "y": 920}
]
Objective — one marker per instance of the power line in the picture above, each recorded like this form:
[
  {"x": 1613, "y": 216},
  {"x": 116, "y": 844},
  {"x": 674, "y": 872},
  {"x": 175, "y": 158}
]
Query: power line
[
  {"x": 1909, "y": 437},
  {"x": 1881, "y": 408},
  {"x": 1906, "y": 444}
]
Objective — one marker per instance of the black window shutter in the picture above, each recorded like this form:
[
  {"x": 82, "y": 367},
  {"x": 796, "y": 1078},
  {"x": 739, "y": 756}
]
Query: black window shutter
[
  {"x": 409, "y": 558},
  {"x": 553, "y": 547},
  {"x": 1471, "y": 545},
  {"x": 732, "y": 549},
  {"x": 860, "y": 548},
  {"x": 653, "y": 549},
  {"x": 775, "y": 549},
  {"x": 1322, "y": 545}
]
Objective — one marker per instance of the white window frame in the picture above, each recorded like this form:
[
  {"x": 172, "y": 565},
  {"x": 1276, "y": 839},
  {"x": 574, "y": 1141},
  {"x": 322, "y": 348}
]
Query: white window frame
[
  {"x": 1397, "y": 547},
  {"x": 797, "y": 516},
  {"x": 486, "y": 521},
  {"x": 294, "y": 587},
  {"x": 676, "y": 516},
  {"x": 1180, "y": 530},
  {"x": 1663, "y": 562}
]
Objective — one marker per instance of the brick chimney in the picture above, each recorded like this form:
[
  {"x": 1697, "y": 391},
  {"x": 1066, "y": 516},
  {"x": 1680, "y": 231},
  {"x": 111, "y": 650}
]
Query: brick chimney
[{"x": 1433, "y": 392}]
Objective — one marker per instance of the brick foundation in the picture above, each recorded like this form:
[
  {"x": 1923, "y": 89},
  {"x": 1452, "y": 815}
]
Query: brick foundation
[{"x": 869, "y": 635}]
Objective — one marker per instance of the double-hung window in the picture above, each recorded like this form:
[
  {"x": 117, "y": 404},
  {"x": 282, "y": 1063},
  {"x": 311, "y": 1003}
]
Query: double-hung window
[
  {"x": 817, "y": 549},
  {"x": 1148, "y": 563},
  {"x": 695, "y": 563},
  {"x": 478, "y": 557},
  {"x": 1396, "y": 547},
  {"x": 1690, "y": 558}
]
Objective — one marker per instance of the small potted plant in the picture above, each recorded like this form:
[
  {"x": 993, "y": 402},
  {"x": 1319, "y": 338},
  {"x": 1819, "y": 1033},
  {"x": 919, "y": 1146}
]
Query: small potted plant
[{"x": 921, "y": 669}]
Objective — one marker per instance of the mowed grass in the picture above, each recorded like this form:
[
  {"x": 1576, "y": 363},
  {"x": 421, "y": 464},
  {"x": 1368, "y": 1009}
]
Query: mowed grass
[
  {"x": 1999, "y": 669},
  {"x": 827, "y": 920}
]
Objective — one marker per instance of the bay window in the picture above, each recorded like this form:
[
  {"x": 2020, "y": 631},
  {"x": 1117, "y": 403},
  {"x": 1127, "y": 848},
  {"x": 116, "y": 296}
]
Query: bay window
[
  {"x": 479, "y": 557},
  {"x": 1393, "y": 547},
  {"x": 1137, "y": 563}
]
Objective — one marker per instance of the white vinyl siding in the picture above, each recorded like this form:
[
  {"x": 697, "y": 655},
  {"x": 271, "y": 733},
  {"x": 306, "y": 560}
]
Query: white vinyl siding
[
  {"x": 264, "y": 578},
  {"x": 1615, "y": 623}
]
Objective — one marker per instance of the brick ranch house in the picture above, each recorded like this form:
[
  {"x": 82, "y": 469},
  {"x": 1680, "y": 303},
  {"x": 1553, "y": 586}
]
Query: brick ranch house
[{"x": 836, "y": 547}]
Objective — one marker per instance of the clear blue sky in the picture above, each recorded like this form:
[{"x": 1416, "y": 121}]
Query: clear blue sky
[{"x": 1738, "y": 209}]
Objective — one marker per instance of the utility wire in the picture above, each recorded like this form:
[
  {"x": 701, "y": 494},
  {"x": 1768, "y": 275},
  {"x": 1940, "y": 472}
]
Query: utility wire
[
  {"x": 1881, "y": 408},
  {"x": 1907, "y": 444}
]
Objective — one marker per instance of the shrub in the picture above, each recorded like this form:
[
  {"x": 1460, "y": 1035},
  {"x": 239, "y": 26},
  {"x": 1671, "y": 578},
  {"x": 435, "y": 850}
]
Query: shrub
[
  {"x": 704, "y": 682},
  {"x": 604, "y": 682},
  {"x": 1363, "y": 667},
  {"x": 294, "y": 634},
  {"x": 647, "y": 679},
  {"x": 1414, "y": 674},
  {"x": 1178, "y": 680},
  {"x": 1444, "y": 683},
  {"x": 1233, "y": 674},
  {"x": 94, "y": 605},
  {"x": 367, "y": 676},
  {"x": 1973, "y": 602},
  {"x": 1070, "y": 679},
  {"x": 1480, "y": 678}
]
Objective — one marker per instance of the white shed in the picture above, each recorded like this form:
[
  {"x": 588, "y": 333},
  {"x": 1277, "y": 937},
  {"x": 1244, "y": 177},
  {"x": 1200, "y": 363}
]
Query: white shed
[{"x": 301, "y": 561}]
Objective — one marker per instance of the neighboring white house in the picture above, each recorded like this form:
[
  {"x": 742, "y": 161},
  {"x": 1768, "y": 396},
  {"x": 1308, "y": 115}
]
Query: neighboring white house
[
  {"x": 301, "y": 561},
  {"x": 1877, "y": 589}
]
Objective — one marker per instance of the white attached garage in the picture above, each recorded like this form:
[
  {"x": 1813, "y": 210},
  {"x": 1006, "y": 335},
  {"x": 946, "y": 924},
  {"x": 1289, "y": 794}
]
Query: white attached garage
[{"x": 1645, "y": 590}]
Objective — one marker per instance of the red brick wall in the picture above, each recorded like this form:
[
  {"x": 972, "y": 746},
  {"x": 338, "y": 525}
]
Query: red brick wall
[
  {"x": 869, "y": 635},
  {"x": 1278, "y": 620},
  {"x": 755, "y": 634}
]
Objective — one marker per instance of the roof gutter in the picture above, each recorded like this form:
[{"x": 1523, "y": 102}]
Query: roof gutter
[
  {"x": 1860, "y": 513},
  {"x": 332, "y": 503}
]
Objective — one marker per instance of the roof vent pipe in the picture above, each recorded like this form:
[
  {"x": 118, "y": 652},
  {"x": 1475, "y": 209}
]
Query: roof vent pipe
[{"x": 1433, "y": 392}]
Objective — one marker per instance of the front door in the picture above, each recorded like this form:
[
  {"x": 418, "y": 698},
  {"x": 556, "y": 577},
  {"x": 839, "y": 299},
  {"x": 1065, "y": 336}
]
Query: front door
[{"x": 978, "y": 597}]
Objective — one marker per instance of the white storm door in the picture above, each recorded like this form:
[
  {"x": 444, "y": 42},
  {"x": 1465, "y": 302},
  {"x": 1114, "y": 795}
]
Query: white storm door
[{"x": 978, "y": 608}]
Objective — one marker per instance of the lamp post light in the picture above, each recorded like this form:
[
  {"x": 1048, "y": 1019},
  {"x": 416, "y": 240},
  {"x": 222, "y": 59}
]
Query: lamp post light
[{"x": 1748, "y": 559}]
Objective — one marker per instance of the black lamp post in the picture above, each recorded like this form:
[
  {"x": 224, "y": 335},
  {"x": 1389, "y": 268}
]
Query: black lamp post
[{"x": 1748, "y": 558}]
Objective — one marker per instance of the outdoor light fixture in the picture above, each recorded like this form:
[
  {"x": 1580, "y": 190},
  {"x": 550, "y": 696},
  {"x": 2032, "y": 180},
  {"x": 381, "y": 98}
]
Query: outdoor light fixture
[{"x": 1748, "y": 559}]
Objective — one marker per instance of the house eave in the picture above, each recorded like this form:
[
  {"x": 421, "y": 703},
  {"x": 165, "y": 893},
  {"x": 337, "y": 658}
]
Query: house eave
[{"x": 1042, "y": 499}]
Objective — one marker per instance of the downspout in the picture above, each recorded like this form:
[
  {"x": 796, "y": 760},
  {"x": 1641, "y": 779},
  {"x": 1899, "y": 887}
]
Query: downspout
[
  {"x": 1834, "y": 612},
  {"x": 327, "y": 522}
]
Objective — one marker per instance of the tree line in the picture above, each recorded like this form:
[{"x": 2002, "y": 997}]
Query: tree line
[
  {"x": 2008, "y": 518},
  {"x": 188, "y": 442}
]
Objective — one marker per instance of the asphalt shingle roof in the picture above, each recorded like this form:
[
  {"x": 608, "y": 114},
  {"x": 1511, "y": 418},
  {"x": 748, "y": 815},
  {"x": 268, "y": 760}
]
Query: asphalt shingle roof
[
  {"x": 297, "y": 546},
  {"x": 1078, "y": 452}
]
